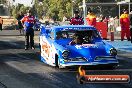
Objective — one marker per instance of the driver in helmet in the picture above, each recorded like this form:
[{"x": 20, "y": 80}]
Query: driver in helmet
[{"x": 76, "y": 40}]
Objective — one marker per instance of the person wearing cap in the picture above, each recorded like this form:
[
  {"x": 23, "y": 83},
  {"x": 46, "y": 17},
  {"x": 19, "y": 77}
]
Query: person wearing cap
[
  {"x": 76, "y": 20},
  {"x": 125, "y": 25},
  {"x": 1, "y": 22},
  {"x": 28, "y": 22},
  {"x": 91, "y": 18}
]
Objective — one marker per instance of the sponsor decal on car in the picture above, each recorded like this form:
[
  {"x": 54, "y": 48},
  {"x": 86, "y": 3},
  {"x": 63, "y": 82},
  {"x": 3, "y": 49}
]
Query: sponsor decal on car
[
  {"x": 86, "y": 46},
  {"x": 46, "y": 48}
]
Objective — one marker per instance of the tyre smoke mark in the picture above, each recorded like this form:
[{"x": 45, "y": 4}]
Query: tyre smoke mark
[{"x": 3, "y": 85}]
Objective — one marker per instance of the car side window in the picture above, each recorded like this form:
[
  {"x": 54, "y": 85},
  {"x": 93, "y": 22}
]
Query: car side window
[
  {"x": 65, "y": 35},
  {"x": 61, "y": 35},
  {"x": 52, "y": 35},
  {"x": 96, "y": 34}
]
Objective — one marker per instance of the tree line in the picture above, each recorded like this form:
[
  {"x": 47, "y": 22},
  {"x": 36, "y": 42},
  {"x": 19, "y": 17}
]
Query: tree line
[{"x": 56, "y": 9}]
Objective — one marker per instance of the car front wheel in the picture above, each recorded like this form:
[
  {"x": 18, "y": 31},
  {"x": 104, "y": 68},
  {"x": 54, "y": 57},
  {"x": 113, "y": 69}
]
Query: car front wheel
[{"x": 56, "y": 60}]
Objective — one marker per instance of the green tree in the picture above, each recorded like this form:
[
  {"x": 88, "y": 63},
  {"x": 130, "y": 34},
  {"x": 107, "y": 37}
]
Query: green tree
[
  {"x": 2, "y": 1},
  {"x": 56, "y": 9},
  {"x": 15, "y": 10}
]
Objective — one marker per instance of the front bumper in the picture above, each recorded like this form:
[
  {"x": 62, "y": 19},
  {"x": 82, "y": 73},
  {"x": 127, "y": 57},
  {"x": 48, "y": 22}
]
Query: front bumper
[{"x": 87, "y": 64}]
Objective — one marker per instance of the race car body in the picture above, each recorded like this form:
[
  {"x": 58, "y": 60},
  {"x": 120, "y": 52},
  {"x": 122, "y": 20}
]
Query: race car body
[{"x": 61, "y": 47}]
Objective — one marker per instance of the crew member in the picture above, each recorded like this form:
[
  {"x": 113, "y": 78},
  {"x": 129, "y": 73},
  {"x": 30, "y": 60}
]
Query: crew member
[
  {"x": 125, "y": 23},
  {"x": 28, "y": 23},
  {"x": 76, "y": 20},
  {"x": 91, "y": 18}
]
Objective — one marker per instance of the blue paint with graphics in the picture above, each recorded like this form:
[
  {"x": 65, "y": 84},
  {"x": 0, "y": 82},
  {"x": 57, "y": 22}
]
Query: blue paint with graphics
[{"x": 94, "y": 53}]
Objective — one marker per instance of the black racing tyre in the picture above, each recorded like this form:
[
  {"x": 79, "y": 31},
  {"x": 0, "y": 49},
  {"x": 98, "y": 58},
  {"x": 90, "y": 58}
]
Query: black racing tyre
[
  {"x": 112, "y": 67},
  {"x": 40, "y": 47},
  {"x": 56, "y": 60},
  {"x": 109, "y": 67}
]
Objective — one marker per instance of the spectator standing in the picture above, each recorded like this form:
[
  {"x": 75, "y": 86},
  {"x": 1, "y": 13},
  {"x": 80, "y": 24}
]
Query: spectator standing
[
  {"x": 105, "y": 20},
  {"x": 116, "y": 22},
  {"x": 111, "y": 24},
  {"x": 1, "y": 22},
  {"x": 101, "y": 18}
]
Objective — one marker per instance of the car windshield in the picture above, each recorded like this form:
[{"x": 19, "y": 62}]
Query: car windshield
[{"x": 85, "y": 35}]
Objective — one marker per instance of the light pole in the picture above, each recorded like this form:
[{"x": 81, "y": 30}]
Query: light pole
[
  {"x": 84, "y": 11},
  {"x": 119, "y": 3},
  {"x": 128, "y": 1},
  {"x": 73, "y": 1},
  {"x": 129, "y": 7}
]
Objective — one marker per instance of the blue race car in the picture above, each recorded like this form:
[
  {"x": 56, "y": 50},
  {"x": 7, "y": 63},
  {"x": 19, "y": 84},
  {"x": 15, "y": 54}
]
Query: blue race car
[{"x": 75, "y": 45}]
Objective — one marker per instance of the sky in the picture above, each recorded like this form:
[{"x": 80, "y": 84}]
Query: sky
[{"x": 25, "y": 2}]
